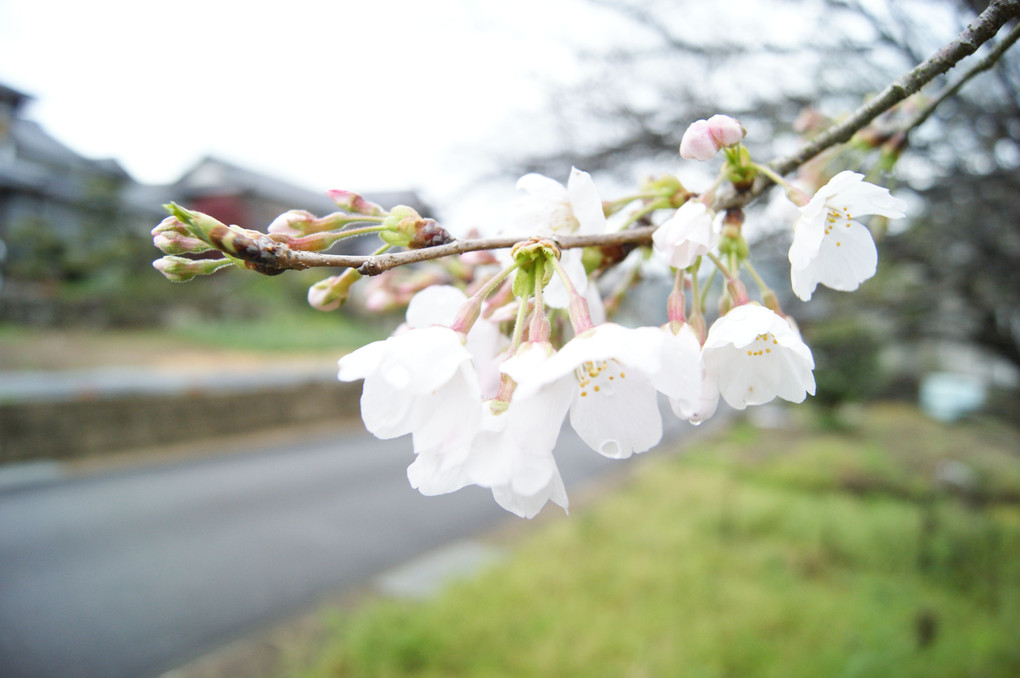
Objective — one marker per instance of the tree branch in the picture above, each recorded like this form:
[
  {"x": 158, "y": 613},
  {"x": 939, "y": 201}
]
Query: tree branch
[
  {"x": 982, "y": 29},
  {"x": 976, "y": 34},
  {"x": 981, "y": 66},
  {"x": 374, "y": 265}
]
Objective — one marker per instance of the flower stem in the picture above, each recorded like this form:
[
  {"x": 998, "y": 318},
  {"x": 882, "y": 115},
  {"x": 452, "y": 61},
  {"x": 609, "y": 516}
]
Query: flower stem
[
  {"x": 618, "y": 204},
  {"x": 472, "y": 308},
  {"x": 723, "y": 268},
  {"x": 645, "y": 210},
  {"x": 794, "y": 194},
  {"x": 539, "y": 328},
  {"x": 522, "y": 318},
  {"x": 703, "y": 300},
  {"x": 580, "y": 316},
  {"x": 757, "y": 278}
]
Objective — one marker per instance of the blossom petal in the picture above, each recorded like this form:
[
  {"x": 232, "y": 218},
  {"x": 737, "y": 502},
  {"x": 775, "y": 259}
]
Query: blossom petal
[
  {"x": 543, "y": 187},
  {"x": 848, "y": 190},
  {"x": 847, "y": 257},
  {"x": 435, "y": 305},
  {"x": 528, "y": 506},
  {"x": 618, "y": 420},
  {"x": 585, "y": 202},
  {"x": 808, "y": 232},
  {"x": 680, "y": 376}
]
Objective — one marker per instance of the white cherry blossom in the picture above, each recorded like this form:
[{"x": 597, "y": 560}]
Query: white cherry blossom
[
  {"x": 439, "y": 305},
  {"x": 699, "y": 397},
  {"x": 829, "y": 246},
  {"x": 614, "y": 375},
  {"x": 754, "y": 355},
  {"x": 513, "y": 453},
  {"x": 549, "y": 208},
  {"x": 687, "y": 235},
  {"x": 421, "y": 381}
]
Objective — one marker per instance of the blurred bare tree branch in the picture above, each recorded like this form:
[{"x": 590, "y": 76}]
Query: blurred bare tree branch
[{"x": 768, "y": 63}]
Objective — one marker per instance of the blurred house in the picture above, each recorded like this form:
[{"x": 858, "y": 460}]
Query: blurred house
[
  {"x": 44, "y": 181},
  {"x": 236, "y": 195},
  {"x": 65, "y": 218}
]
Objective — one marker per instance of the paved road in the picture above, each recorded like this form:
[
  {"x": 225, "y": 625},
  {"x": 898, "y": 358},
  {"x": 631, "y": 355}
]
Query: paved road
[{"x": 133, "y": 572}]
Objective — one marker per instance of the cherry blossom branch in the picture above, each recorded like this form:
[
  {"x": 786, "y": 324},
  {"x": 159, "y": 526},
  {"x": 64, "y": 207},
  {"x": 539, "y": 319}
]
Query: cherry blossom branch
[
  {"x": 976, "y": 34},
  {"x": 986, "y": 63},
  {"x": 980, "y": 31},
  {"x": 374, "y": 265},
  {"x": 275, "y": 257}
]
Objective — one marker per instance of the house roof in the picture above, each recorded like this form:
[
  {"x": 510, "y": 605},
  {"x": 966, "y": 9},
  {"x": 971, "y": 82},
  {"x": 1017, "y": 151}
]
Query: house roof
[
  {"x": 14, "y": 98},
  {"x": 215, "y": 176}
]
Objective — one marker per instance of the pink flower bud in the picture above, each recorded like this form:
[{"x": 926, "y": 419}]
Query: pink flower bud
[
  {"x": 697, "y": 142},
  {"x": 292, "y": 222},
  {"x": 182, "y": 269},
  {"x": 171, "y": 225},
  {"x": 726, "y": 130},
  {"x": 172, "y": 236},
  {"x": 704, "y": 138},
  {"x": 354, "y": 203},
  {"x": 329, "y": 294}
]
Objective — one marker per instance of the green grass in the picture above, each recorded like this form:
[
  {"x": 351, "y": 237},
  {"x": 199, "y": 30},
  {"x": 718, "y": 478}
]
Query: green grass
[
  {"x": 304, "y": 332},
  {"x": 758, "y": 553},
  {"x": 33, "y": 348}
]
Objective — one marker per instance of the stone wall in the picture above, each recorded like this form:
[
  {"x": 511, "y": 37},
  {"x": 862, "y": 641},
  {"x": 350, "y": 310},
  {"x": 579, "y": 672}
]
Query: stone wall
[{"x": 75, "y": 428}]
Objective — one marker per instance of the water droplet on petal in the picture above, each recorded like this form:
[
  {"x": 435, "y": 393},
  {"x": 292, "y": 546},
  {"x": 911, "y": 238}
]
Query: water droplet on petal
[{"x": 610, "y": 448}]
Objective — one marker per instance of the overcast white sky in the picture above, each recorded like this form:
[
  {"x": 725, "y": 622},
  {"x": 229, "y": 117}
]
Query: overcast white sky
[{"x": 377, "y": 94}]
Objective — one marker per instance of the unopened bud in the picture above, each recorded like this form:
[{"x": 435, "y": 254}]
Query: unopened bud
[
  {"x": 400, "y": 226},
  {"x": 726, "y": 131},
  {"x": 292, "y": 222},
  {"x": 299, "y": 223},
  {"x": 406, "y": 228},
  {"x": 200, "y": 225},
  {"x": 172, "y": 236},
  {"x": 313, "y": 242},
  {"x": 331, "y": 293},
  {"x": 428, "y": 233},
  {"x": 354, "y": 203},
  {"x": 182, "y": 269},
  {"x": 704, "y": 138}
]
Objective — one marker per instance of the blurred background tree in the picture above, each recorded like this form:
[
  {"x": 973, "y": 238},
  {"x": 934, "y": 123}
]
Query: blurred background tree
[{"x": 786, "y": 68}]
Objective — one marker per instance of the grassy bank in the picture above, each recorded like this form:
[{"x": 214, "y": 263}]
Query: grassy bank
[
  {"x": 33, "y": 348},
  {"x": 889, "y": 550}
]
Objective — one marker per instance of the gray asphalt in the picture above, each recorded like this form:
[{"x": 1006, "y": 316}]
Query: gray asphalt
[{"x": 131, "y": 573}]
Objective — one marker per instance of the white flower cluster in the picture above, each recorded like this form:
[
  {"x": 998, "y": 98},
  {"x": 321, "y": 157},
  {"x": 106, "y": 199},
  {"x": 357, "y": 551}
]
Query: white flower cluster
[
  {"x": 436, "y": 384},
  {"x": 484, "y": 409}
]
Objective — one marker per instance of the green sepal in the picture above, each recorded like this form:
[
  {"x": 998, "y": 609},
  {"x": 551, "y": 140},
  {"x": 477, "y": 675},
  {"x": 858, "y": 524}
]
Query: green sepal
[
  {"x": 524, "y": 281},
  {"x": 395, "y": 238}
]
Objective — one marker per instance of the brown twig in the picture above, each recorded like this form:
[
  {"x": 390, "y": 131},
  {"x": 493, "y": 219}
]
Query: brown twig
[{"x": 374, "y": 265}]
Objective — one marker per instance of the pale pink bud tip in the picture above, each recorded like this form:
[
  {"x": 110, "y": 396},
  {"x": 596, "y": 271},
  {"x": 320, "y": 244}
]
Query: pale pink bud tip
[
  {"x": 291, "y": 222},
  {"x": 704, "y": 138},
  {"x": 726, "y": 131},
  {"x": 697, "y": 142},
  {"x": 354, "y": 203}
]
